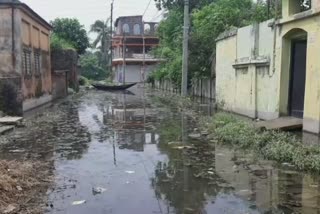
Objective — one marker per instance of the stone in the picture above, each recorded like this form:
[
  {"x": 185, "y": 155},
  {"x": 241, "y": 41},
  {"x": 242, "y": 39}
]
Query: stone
[{"x": 195, "y": 136}]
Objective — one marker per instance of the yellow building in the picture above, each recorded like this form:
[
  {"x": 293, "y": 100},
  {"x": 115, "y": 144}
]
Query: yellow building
[
  {"x": 25, "y": 63},
  {"x": 271, "y": 69}
]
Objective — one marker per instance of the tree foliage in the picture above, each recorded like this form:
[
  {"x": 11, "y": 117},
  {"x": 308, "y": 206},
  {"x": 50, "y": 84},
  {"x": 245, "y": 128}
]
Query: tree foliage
[
  {"x": 58, "y": 43},
  {"x": 179, "y": 4},
  {"x": 102, "y": 41},
  {"x": 208, "y": 20},
  {"x": 90, "y": 67},
  {"x": 71, "y": 31}
]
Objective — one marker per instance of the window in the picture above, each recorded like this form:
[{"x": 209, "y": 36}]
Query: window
[
  {"x": 37, "y": 65},
  {"x": 305, "y": 5},
  {"x": 125, "y": 28},
  {"x": 147, "y": 29},
  {"x": 298, "y": 6},
  {"x": 136, "y": 29},
  {"x": 26, "y": 61}
]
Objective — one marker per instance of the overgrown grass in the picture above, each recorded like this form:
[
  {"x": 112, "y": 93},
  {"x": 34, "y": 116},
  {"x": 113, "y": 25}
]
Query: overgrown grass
[{"x": 273, "y": 145}]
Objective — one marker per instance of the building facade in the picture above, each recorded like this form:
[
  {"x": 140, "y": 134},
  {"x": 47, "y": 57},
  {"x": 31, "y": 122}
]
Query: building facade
[
  {"x": 271, "y": 69},
  {"x": 132, "y": 42},
  {"x": 25, "y": 54}
]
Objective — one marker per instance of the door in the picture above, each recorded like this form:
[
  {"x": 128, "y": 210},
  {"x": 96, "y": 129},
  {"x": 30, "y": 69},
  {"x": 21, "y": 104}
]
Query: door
[{"x": 298, "y": 78}]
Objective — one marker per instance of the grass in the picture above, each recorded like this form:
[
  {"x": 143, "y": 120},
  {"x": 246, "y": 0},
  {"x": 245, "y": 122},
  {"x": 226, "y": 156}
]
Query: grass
[
  {"x": 21, "y": 184},
  {"x": 272, "y": 145}
]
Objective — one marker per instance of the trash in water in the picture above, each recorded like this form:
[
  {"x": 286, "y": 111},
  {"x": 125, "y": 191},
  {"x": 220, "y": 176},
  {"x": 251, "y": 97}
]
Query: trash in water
[
  {"x": 98, "y": 190},
  {"x": 130, "y": 172},
  {"x": 19, "y": 188},
  {"x": 78, "y": 202}
]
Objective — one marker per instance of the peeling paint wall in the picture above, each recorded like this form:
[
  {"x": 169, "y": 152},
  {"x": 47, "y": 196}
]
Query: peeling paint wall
[
  {"x": 253, "y": 67},
  {"x": 308, "y": 22},
  {"x": 246, "y": 83},
  {"x": 18, "y": 31},
  {"x": 35, "y": 37}
]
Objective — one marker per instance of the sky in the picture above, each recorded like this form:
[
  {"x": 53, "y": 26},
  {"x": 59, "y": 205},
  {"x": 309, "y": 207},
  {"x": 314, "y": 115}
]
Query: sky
[{"x": 89, "y": 11}]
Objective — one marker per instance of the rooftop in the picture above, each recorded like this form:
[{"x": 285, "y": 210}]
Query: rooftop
[{"x": 19, "y": 4}]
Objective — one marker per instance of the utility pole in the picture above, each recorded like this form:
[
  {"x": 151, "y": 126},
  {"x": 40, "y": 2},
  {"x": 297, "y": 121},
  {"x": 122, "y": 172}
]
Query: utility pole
[
  {"x": 144, "y": 56},
  {"x": 111, "y": 37},
  {"x": 124, "y": 58},
  {"x": 185, "y": 57}
]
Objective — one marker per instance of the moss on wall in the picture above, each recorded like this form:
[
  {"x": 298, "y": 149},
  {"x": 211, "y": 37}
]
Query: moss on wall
[{"x": 10, "y": 102}]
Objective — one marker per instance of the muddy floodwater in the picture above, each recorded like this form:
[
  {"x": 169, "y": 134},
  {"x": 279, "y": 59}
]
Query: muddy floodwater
[{"x": 126, "y": 153}]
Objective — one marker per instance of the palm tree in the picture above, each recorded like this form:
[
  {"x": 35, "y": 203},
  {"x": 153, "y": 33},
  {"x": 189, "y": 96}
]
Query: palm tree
[{"x": 103, "y": 39}]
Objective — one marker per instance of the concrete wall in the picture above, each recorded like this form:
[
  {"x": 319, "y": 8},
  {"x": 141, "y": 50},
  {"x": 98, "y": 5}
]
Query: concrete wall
[
  {"x": 66, "y": 60},
  {"x": 59, "y": 85},
  {"x": 290, "y": 26},
  {"x": 18, "y": 31},
  {"x": 245, "y": 79},
  {"x": 204, "y": 88}
]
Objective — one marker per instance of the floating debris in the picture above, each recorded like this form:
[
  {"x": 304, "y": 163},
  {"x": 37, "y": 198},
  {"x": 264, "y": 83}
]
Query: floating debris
[
  {"x": 78, "y": 202},
  {"x": 130, "y": 172},
  {"x": 98, "y": 190}
]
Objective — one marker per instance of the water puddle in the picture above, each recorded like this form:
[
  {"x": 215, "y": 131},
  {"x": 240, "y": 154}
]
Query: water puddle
[{"x": 124, "y": 153}]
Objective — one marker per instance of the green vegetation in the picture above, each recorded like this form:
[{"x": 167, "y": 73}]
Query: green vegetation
[
  {"x": 279, "y": 146},
  {"x": 102, "y": 41},
  {"x": 209, "y": 18},
  {"x": 90, "y": 67},
  {"x": 69, "y": 33},
  {"x": 58, "y": 43}
]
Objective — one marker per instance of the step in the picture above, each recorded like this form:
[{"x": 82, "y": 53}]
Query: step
[
  {"x": 282, "y": 123},
  {"x": 10, "y": 120},
  {"x": 6, "y": 129}
]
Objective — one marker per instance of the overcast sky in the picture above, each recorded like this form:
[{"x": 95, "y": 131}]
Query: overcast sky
[{"x": 89, "y": 11}]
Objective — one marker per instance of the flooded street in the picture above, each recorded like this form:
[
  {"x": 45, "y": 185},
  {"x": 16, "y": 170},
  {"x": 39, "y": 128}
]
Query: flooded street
[{"x": 126, "y": 153}]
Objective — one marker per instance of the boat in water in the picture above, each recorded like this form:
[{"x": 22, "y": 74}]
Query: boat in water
[{"x": 105, "y": 87}]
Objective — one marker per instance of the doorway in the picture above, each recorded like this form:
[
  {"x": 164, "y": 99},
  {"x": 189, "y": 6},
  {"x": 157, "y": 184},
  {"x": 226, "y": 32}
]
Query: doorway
[{"x": 297, "y": 78}]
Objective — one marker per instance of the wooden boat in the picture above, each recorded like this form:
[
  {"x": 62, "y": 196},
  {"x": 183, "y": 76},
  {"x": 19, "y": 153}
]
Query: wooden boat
[{"x": 105, "y": 87}]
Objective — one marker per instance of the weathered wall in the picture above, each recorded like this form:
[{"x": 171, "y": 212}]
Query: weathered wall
[
  {"x": 291, "y": 26},
  {"x": 59, "y": 85},
  {"x": 245, "y": 79},
  {"x": 6, "y": 40},
  {"x": 36, "y": 85},
  {"x": 66, "y": 60},
  {"x": 10, "y": 95},
  {"x": 203, "y": 88}
]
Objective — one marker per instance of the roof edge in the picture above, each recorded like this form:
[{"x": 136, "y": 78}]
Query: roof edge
[{"x": 28, "y": 9}]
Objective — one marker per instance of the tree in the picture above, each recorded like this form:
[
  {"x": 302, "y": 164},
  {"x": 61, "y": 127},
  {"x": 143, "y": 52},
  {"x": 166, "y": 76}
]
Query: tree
[
  {"x": 71, "y": 31},
  {"x": 102, "y": 40},
  {"x": 174, "y": 4},
  {"x": 208, "y": 21},
  {"x": 90, "y": 67}
]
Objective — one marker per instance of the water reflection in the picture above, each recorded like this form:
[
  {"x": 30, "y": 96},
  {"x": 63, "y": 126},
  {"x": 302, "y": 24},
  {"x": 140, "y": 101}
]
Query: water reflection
[{"x": 142, "y": 155}]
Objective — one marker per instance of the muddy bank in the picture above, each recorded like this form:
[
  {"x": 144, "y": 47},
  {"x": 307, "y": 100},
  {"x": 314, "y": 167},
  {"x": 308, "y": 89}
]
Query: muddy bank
[{"x": 23, "y": 186}]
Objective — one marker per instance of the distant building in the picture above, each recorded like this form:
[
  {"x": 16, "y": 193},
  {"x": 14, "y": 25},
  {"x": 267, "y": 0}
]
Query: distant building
[
  {"x": 272, "y": 69},
  {"x": 132, "y": 36},
  {"x": 24, "y": 55}
]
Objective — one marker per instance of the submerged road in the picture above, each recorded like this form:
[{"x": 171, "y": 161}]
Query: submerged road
[{"x": 127, "y": 153}]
